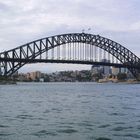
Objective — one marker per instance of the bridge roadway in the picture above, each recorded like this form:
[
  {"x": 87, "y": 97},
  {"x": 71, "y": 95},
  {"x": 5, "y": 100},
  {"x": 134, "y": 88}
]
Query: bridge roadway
[{"x": 86, "y": 62}]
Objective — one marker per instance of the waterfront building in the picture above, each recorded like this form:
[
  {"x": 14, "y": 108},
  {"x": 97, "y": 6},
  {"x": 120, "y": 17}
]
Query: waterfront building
[
  {"x": 35, "y": 75},
  {"x": 124, "y": 70},
  {"x": 105, "y": 69},
  {"x": 95, "y": 70},
  {"x": 22, "y": 77},
  {"x": 115, "y": 71}
]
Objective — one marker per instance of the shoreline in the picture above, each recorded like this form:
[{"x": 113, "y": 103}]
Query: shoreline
[
  {"x": 130, "y": 81},
  {"x": 100, "y": 81},
  {"x": 8, "y": 82}
]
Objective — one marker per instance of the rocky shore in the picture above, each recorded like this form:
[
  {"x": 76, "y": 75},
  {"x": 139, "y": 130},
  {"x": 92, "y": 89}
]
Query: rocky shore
[{"x": 130, "y": 81}]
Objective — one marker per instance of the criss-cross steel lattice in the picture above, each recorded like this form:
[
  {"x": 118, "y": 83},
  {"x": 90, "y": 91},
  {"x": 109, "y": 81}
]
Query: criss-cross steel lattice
[{"x": 77, "y": 48}]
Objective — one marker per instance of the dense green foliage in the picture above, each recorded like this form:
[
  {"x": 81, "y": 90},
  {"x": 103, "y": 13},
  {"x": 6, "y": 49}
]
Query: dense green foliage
[{"x": 122, "y": 76}]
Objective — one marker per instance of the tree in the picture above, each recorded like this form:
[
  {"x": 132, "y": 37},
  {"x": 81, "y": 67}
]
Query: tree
[
  {"x": 121, "y": 76},
  {"x": 47, "y": 78}
]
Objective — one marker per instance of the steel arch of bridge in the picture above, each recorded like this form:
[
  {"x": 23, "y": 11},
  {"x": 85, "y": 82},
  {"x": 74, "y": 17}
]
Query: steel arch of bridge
[{"x": 14, "y": 59}]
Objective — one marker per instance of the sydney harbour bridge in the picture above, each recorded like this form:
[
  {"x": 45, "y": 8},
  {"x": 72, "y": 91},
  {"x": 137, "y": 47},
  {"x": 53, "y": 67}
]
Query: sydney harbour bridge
[{"x": 72, "y": 48}]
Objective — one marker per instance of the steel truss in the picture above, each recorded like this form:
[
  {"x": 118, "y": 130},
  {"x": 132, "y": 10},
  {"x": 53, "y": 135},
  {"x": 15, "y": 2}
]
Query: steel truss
[{"x": 74, "y": 51}]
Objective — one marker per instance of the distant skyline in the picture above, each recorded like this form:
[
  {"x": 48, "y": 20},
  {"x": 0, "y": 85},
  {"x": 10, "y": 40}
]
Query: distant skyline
[{"x": 24, "y": 21}]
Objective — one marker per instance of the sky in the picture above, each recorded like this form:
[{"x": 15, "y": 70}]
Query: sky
[{"x": 22, "y": 21}]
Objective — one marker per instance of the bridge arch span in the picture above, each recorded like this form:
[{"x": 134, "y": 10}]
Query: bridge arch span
[{"x": 14, "y": 59}]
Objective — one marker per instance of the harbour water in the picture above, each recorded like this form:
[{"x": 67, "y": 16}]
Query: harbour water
[{"x": 70, "y": 111}]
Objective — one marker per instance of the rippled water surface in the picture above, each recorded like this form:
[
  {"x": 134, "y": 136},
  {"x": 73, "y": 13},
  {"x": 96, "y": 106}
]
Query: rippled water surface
[{"x": 69, "y": 111}]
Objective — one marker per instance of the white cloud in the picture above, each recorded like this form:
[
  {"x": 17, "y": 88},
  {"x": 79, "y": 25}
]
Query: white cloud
[{"x": 136, "y": 26}]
